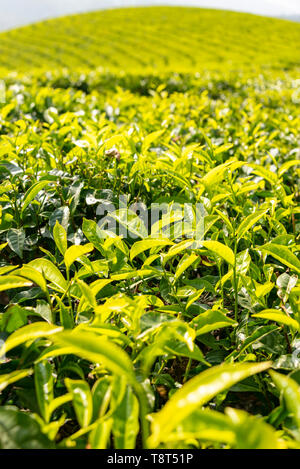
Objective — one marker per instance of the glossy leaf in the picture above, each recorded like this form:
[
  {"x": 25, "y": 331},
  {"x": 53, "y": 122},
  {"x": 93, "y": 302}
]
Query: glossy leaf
[
  {"x": 211, "y": 320},
  {"x": 18, "y": 430},
  {"x": 60, "y": 237},
  {"x": 198, "y": 391},
  {"x": 249, "y": 221},
  {"x": 282, "y": 254},
  {"x": 278, "y": 316},
  {"x": 184, "y": 264},
  {"x": 44, "y": 383},
  {"x": 51, "y": 273},
  {"x": 290, "y": 391},
  {"x": 141, "y": 246},
  {"x": 15, "y": 240},
  {"x": 97, "y": 350},
  {"x": 10, "y": 378},
  {"x": 33, "y": 275},
  {"x": 12, "y": 281},
  {"x": 126, "y": 421},
  {"x": 27, "y": 334},
  {"x": 82, "y": 400},
  {"x": 74, "y": 252},
  {"x": 220, "y": 250},
  {"x": 33, "y": 192}
]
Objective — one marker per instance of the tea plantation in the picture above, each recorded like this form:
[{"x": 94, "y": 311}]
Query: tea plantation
[{"x": 149, "y": 231}]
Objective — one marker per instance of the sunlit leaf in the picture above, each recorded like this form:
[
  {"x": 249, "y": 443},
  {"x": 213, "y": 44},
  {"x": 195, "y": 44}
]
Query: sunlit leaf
[{"x": 198, "y": 391}]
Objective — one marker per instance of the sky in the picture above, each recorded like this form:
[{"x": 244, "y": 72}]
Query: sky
[{"x": 18, "y": 12}]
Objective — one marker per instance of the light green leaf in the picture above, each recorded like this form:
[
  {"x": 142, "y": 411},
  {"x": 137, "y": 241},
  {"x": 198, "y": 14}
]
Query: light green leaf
[
  {"x": 20, "y": 430},
  {"x": 65, "y": 315},
  {"x": 286, "y": 166},
  {"x": 249, "y": 221},
  {"x": 177, "y": 249},
  {"x": 101, "y": 393},
  {"x": 74, "y": 252},
  {"x": 82, "y": 400},
  {"x": 278, "y": 316},
  {"x": 197, "y": 392},
  {"x": 251, "y": 432},
  {"x": 32, "y": 193},
  {"x": 291, "y": 394},
  {"x": 282, "y": 254},
  {"x": 33, "y": 275},
  {"x": 258, "y": 334},
  {"x": 28, "y": 334},
  {"x": 141, "y": 246},
  {"x": 215, "y": 175},
  {"x": 94, "y": 234},
  {"x": 194, "y": 297},
  {"x": 51, "y": 273},
  {"x": 87, "y": 293},
  {"x": 100, "y": 435},
  {"x": 220, "y": 250},
  {"x": 14, "y": 318},
  {"x": 150, "y": 138},
  {"x": 126, "y": 421},
  {"x": 10, "y": 378},
  {"x": 265, "y": 173},
  {"x": 60, "y": 237},
  {"x": 186, "y": 261},
  {"x": 211, "y": 320},
  {"x": 236, "y": 428},
  {"x": 203, "y": 424},
  {"x": 89, "y": 296},
  {"x": 8, "y": 282},
  {"x": 97, "y": 350}
]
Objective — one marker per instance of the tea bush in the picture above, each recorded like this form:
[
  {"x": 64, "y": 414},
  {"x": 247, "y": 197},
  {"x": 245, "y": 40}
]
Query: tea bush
[{"x": 155, "y": 338}]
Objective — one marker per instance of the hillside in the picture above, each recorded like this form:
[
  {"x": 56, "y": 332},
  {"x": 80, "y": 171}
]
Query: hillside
[{"x": 155, "y": 37}]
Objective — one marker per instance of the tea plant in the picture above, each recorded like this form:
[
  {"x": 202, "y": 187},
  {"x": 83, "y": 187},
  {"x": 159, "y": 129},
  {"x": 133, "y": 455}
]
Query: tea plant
[{"x": 120, "y": 331}]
